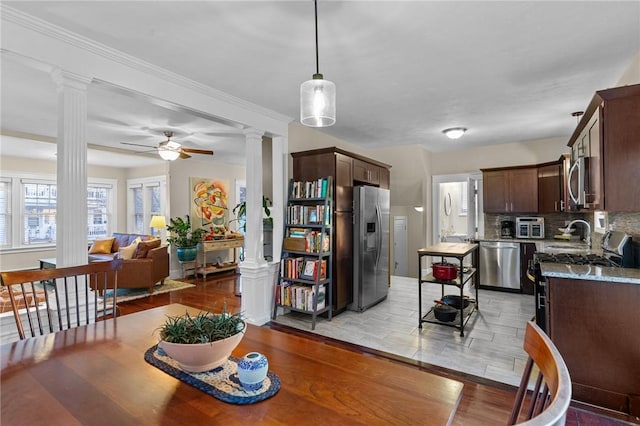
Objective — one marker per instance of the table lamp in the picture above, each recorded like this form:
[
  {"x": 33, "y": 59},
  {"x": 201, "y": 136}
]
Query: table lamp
[{"x": 158, "y": 222}]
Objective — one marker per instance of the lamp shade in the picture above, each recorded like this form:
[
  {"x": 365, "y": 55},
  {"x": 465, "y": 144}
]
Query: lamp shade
[
  {"x": 318, "y": 102},
  {"x": 158, "y": 222},
  {"x": 169, "y": 150}
]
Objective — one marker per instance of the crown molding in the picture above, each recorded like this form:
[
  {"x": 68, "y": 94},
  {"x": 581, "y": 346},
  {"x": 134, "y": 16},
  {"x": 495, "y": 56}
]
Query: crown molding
[{"x": 53, "y": 31}]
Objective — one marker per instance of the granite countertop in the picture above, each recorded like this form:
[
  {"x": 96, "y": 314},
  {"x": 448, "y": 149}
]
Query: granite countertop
[{"x": 590, "y": 272}]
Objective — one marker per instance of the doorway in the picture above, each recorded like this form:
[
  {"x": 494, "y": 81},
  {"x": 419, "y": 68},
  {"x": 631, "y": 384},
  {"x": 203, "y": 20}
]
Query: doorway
[
  {"x": 399, "y": 246},
  {"x": 457, "y": 207}
]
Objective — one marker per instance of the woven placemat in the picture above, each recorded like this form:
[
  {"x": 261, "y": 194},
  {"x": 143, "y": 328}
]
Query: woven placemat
[{"x": 221, "y": 383}]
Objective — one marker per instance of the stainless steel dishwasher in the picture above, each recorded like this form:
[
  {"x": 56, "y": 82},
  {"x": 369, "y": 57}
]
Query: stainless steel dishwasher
[{"x": 500, "y": 264}]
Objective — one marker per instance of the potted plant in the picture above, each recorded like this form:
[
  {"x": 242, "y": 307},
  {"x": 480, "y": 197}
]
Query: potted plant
[
  {"x": 184, "y": 238},
  {"x": 240, "y": 210},
  {"x": 202, "y": 342}
]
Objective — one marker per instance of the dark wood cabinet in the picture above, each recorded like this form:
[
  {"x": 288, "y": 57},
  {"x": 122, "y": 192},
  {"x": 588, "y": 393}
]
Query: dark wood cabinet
[
  {"x": 310, "y": 165},
  {"x": 552, "y": 185},
  {"x": 608, "y": 137},
  {"x": 510, "y": 190},
  {"x": 366, "y": 172},
  {"x": 594, "y": 325}
]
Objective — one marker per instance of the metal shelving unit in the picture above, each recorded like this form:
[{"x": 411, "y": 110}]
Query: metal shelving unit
[
  {"x": 465, "y": 275},
  {"x": 310, "y": 212}
]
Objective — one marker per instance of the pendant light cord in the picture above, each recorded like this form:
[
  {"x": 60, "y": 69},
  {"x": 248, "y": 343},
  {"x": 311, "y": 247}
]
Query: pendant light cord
[{"x": 315, "y": 4}]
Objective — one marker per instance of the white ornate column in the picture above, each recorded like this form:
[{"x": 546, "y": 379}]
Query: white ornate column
[
  {"x": 256, "y": 281},
  {"x": 71, "y": 217}
]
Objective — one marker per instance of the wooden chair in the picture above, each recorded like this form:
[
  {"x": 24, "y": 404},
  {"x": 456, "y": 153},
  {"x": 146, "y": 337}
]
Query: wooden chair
[
  {"x": 56, "y": 299},
  {"x": 551, "y": 395}
]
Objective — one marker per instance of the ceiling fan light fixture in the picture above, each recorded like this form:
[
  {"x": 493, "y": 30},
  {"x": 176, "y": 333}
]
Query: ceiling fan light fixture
[
  {"x": 455, "y": 132},
  {"x": 317, "y": 96},
  {"x": 169, "y": 150}
]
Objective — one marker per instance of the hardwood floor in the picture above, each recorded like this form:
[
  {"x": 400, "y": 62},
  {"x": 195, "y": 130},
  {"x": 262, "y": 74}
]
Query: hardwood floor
[{"x": 484, "y": 402}]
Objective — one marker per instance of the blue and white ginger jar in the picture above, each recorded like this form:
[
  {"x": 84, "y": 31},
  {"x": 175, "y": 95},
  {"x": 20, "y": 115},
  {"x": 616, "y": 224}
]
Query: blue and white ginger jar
[{"x": 252, "y": 370}]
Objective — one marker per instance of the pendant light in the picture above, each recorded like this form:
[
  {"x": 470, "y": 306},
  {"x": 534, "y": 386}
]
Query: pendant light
[{"x": 317, "y": 96}]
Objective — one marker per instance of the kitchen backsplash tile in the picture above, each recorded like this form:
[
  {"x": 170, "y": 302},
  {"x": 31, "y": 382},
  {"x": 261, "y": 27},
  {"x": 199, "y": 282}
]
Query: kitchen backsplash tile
[{"x": 626, "y": 222}]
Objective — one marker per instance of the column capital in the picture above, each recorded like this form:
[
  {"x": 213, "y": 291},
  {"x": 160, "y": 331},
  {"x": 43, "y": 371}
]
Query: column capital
[
  {"x": 64, "y": 78},
  {"x": 251, "y": 132}
]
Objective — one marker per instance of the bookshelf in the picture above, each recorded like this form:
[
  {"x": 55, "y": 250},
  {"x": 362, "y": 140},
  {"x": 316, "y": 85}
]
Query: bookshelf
[{"x": 304, "y": 279}]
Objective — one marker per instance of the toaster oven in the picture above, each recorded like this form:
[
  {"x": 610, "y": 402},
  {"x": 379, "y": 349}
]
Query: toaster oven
[{"x": 530, "y": 227}]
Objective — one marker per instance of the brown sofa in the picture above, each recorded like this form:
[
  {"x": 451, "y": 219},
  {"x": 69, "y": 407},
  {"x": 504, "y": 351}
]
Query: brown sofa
[{"x": 148, "y": 265}]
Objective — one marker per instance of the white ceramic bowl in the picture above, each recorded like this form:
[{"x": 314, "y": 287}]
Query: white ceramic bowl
[{"x": 199, "y": 357}]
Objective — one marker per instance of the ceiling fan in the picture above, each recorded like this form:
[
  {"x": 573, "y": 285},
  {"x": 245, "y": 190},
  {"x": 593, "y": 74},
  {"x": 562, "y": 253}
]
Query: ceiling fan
[{"x": 171, "y": 150}]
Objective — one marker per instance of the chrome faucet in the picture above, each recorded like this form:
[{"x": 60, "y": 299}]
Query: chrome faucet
[{"x": 587, "y": 238}]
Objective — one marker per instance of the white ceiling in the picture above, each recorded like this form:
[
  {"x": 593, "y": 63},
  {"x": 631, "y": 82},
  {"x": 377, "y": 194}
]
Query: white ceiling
[{"x": 404, "y": 70}]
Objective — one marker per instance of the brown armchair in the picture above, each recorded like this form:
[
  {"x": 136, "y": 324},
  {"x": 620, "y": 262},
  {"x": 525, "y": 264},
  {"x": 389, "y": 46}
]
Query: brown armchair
[
  {"x": 136, "y": 273},
  {"x": 149, "y": 265}
]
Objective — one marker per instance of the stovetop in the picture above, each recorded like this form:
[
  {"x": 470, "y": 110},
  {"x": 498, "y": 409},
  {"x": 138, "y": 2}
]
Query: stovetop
[{"x": 578, "y": 259}]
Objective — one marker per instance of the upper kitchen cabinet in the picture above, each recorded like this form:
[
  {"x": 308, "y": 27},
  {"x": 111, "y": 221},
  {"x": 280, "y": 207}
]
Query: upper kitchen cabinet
[
  {"x": 366, "y": 172},
  {"x": 552, "y": 188},
  {"x": 608, "y": 138},
  {"x": 510, "y": 189}
]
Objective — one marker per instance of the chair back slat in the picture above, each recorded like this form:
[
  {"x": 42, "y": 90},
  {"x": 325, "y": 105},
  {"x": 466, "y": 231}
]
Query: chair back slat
[
  {"x": 551, "y": 395},
  {"x": 35, "y": 294}
]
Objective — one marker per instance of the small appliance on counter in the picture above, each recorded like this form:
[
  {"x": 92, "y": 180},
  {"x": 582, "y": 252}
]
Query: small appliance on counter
[
  {"x": 506, "y": 229},
  {"x": 530, "y": 227}
]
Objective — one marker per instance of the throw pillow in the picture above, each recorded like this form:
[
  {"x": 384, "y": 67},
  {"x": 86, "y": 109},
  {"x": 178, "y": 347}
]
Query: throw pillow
[
  {"x": 145, "y": 246},
  {"x": 128, "y": 251},
  {"x": 101, "y": 246}
]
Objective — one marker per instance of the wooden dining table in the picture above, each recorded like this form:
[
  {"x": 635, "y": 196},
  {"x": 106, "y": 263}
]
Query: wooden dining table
[{"x": 96, "y": 374}]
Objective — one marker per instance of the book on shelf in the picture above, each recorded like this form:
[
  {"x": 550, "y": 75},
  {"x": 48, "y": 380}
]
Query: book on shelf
[
  {"x": 310, "y": 189},
  {"x": 301, "y": 297},
  {"x": 314, "y": 269}
]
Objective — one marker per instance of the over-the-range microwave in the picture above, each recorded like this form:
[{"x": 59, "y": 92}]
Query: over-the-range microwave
[{"x": 530, "y": 227}]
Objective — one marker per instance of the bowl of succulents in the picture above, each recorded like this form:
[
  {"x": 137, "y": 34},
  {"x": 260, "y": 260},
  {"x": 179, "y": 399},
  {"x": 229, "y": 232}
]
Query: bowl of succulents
[{"x": 201, "y": 342}]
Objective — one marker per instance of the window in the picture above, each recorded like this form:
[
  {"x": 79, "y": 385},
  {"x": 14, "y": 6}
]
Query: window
[
  {"x": 5, "y": 212},
  {"x": 146, "y": 197},
  {"x": 34, "y": 222},
  {"x": 99, "y": 213},
  {"x": 39, "y": 212}
]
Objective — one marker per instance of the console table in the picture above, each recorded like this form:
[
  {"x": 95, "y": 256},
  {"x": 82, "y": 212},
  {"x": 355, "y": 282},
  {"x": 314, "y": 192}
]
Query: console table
[{"x": 216, "y": 245}]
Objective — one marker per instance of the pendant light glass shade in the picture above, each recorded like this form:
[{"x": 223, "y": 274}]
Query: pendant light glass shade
[
  {"x": 318, "y": 102},
  {"x": 169, "y": 150},
  {"x": 317, "y": 96}
]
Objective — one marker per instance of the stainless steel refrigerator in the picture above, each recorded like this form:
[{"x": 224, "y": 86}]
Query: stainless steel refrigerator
[{"x": 370, "y": 246}]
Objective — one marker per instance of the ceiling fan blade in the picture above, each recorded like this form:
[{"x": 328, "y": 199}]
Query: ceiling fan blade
[
  {"x": 184, "y": 154},
  {"x": 198, "y": 151},
  {"x": 138, "y": 144}
]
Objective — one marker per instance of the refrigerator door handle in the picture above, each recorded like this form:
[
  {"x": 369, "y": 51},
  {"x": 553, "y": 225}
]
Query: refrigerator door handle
[{"x": 378, "y": 235}]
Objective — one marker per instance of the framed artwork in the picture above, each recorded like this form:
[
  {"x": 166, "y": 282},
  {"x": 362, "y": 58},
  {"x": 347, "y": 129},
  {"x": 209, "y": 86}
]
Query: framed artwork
[{"x": 209, "y": 209}]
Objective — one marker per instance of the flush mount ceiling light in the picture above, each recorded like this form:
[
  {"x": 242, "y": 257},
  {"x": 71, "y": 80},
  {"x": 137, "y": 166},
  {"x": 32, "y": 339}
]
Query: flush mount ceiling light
[
  {"x": 454, "y": 132},
  {"x": 317, "y": 96}
]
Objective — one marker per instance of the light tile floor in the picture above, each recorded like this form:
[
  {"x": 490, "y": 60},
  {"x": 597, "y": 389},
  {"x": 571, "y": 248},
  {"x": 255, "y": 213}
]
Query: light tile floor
[{"x": 490, "y": 348}]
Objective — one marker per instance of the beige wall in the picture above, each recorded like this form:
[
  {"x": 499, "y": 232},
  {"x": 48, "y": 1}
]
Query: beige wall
[
  {"x": 511, "y": 154},
  {"x": 631, "y": 74},
  {"x": 179, "y": 192}
]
